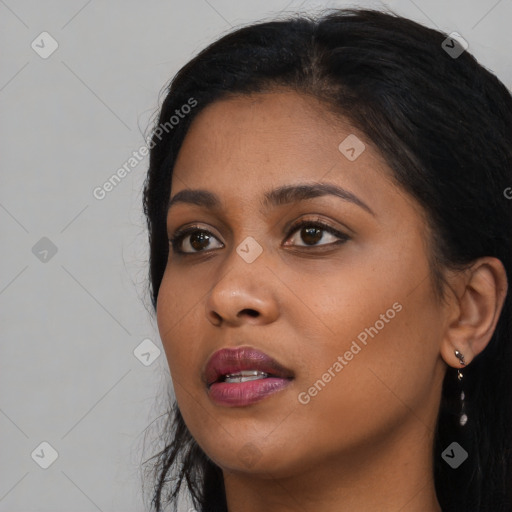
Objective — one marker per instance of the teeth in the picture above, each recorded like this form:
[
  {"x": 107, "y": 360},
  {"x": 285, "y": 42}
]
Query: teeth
[{"x": 245, "y": 376}]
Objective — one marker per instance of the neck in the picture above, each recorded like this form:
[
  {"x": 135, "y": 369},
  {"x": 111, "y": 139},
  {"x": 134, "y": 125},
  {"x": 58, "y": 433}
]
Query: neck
[{"x": 395, "y": 475}]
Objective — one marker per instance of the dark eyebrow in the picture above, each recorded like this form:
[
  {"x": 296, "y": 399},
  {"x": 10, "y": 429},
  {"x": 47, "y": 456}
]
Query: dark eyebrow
[{"x": 277, "y": 197}]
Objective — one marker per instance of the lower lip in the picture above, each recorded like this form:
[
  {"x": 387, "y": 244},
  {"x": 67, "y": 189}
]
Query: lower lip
[{"x": 240, "y": 394}]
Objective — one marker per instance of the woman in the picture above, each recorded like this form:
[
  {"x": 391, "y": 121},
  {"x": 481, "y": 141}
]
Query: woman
[{"x": 331, "y": 242}]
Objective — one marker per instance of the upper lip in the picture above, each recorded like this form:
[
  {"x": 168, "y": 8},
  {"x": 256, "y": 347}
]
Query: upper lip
[{"x": 233, "y": 360}]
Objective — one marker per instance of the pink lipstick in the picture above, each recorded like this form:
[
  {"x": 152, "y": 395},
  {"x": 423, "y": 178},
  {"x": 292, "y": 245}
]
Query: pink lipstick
[{"x": 237, "y": 377}]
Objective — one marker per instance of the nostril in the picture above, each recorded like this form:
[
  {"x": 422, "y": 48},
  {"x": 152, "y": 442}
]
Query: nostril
[{"x": 250, "y": 312}]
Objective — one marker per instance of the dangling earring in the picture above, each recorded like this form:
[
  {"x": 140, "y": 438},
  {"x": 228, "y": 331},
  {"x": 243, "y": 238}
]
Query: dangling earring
[{"x": 463, "y": 416}]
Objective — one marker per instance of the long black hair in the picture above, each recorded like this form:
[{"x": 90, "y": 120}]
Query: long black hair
[{"x": 443, "y": 123}]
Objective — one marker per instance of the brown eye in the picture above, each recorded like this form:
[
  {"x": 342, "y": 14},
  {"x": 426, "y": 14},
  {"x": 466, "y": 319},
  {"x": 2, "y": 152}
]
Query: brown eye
[
  {"x": 311, "y": 233},
  {"x": 192, "y": 240},
  {"x": 199, "y": 240}
]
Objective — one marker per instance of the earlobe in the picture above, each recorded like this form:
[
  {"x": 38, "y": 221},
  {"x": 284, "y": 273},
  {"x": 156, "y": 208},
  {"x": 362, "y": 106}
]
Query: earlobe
[{"x": 475, "y": 310}]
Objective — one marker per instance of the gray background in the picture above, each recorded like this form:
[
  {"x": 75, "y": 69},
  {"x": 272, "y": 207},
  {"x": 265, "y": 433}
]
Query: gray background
[{"x": 70, "y": 321}]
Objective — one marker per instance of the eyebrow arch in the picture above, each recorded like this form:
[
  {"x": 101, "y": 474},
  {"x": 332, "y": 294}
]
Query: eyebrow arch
[{"x": 277, "y": 197}]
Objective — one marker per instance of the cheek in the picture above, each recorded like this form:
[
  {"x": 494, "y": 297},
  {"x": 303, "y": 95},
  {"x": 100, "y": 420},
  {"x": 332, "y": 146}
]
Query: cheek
[
  {"x": 179, "y": 313},
  {"x": 371, "y": 340},
  {"x": 374, "y": 389}
]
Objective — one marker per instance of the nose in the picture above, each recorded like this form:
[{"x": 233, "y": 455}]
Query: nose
[{"x": 244, "y": 294}]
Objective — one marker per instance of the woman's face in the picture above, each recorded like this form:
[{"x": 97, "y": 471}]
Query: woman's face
[{"x": 350, "y": 314}]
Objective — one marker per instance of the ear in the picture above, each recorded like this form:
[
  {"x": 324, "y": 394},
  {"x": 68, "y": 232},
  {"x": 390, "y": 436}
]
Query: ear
[{"x": 473, "y": 312}]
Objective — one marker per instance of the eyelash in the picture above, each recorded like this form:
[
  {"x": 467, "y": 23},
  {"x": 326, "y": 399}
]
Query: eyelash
[{"x": 180, "y": 235}]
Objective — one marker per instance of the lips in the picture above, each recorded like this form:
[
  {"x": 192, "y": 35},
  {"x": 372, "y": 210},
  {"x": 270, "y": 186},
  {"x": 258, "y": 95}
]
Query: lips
[
  {"x": 243, "y": 376},
  {"x": 232, "y": 361}
]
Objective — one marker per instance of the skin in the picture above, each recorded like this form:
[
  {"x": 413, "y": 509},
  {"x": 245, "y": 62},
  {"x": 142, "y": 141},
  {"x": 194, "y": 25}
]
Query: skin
[{"x": 364, "y": 442}]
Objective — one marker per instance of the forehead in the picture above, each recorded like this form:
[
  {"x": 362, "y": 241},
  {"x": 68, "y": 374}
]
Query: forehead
[
  {"x": 244, "y": 146},
  {"x": 265, "y": 124}
]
